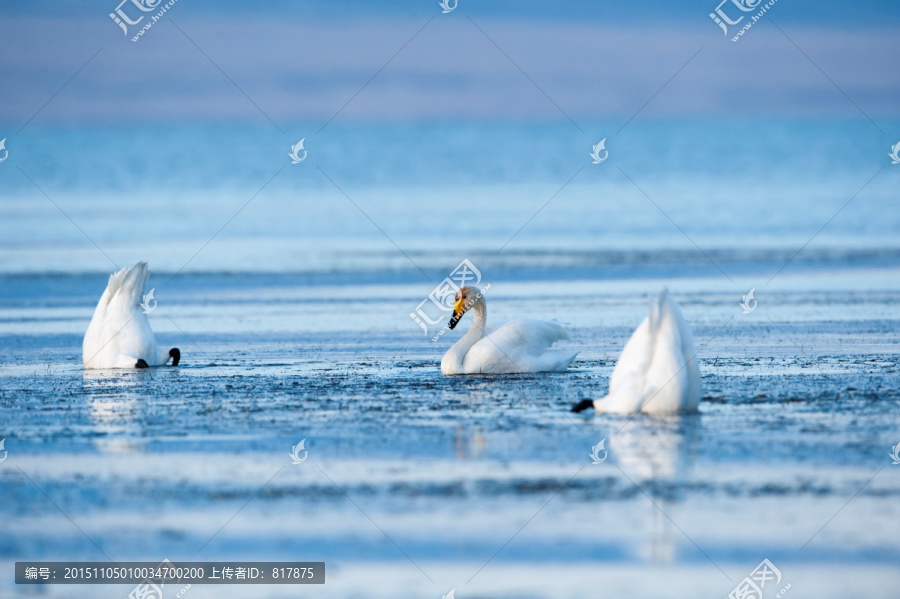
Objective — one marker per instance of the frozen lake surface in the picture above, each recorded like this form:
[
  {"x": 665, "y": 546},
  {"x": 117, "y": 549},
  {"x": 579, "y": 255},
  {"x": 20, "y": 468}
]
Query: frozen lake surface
[
  {"x": 416, "y": 484},
  {"x": 295, "y": 289},
  {"x": 292, "y": 312}
]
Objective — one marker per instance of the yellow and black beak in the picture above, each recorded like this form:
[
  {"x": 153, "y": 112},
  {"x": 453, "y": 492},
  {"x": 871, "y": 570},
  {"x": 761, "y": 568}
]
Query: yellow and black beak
[{"x": 459, "y": 308}]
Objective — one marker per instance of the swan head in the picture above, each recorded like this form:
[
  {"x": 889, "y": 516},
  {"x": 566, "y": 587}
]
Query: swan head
[{"x": 466, "y": 298}]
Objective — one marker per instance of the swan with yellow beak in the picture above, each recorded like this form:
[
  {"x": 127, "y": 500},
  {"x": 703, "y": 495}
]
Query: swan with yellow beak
[{"x": 514, "y": 347}]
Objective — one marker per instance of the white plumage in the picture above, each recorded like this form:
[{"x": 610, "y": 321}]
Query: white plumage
[
  {"x": 657, "y": 371},
  {"x": 119, "y": 335},
  {"x": 516, "y": 346}
]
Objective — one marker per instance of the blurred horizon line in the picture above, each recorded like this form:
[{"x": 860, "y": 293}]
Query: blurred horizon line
[{"x": 408, "y": 69}]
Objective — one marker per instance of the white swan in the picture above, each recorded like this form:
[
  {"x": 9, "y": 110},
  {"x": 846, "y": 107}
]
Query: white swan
[
  {"x": 119, "y": 335},
  {"x": 517, "y": 346},
  {"x": 657, "y": 372}
]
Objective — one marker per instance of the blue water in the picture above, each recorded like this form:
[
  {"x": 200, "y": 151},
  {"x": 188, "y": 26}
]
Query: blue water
[
  {"x": 161, "y": 193},
  {"x": 292, "y": 289},
  {"x": 290, "y": 299}
]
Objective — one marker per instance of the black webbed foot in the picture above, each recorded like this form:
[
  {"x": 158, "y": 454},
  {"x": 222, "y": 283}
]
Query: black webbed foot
[
  {"x": 141, "y": 363},
  {"x": 175, "y": 354}
]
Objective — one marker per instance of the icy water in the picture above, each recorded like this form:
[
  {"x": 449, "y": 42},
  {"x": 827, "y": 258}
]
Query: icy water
[
  {"x": 415, "y": 484},
  {"x": 293, "y": 318}
]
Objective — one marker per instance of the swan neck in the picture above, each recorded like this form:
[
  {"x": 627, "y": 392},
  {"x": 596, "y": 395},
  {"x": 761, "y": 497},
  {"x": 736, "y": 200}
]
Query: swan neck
[
  {"x": 479, "y": 318},
  {"x": 457, "y": 353},
  {"x": 476, "y": 331}
]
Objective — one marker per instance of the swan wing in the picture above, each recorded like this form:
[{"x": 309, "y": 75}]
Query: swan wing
[
  {"x": 535, "y": 335},
  {"x": 635, "y": 358},
  {"x": 519, "y": 346},
  {"x": 626, "y": 385}
]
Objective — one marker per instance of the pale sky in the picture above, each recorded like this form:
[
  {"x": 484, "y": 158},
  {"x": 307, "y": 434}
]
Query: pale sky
[{"x": 501, "y": 60}]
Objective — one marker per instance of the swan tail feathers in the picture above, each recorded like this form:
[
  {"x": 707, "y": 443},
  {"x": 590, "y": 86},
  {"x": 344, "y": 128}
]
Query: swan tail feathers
[
  {"x": 568, "y": 358},
  {"x": 133, "y": 281},
  {"x": 94, "y": 341},
  {"x": 658, "y": 306},
  {"x": 113, "y": 286}
]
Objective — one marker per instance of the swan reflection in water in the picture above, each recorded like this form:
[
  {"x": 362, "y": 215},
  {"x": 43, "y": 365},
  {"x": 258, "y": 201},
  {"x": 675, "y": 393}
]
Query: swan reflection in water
[
  {"x": 469, "y": 443},
  {"x": 114, "y": 399},
  {"x": 658, "y": 455}
]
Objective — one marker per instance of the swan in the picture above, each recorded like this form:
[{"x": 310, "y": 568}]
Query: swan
[
  {"x": 657, "y": 371},
  {"x": 119, "y": 335},
  {"x": 516, "y": 346}
]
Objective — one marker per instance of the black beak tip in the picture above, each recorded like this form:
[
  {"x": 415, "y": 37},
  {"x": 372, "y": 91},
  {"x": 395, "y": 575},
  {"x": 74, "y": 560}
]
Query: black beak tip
[
  {"x": 453, "y": 320},
  {"x": 583, "y": 405},
  {"x": 175, "y": 354}
]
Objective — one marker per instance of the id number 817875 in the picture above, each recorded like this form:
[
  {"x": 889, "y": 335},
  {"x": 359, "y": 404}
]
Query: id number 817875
[{"x": 292, "y": 573}]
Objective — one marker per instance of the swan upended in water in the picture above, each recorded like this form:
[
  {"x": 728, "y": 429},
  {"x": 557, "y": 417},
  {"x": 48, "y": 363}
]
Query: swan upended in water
[
  {"x": 119, "y": 335},
  {"x": 657, "y": 371},
  {"x": 516, "y": 346}
]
